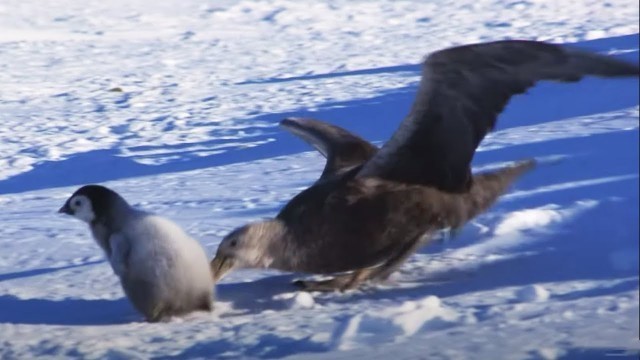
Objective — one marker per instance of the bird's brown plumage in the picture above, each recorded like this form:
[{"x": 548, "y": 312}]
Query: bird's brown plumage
[
  {"x": 343, "y": 225},
  {"x": 342, "y": 149},
  {"x": 369, "y": 215},
  {"x": 462, "y": 92}
]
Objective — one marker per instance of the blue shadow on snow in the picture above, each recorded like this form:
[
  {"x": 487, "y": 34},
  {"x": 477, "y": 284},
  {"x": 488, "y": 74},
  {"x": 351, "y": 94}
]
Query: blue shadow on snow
[
  {"x": 66, "y": 312},
  {"x": 36, "y": 272},
  {"x": 375, "y": 119}
]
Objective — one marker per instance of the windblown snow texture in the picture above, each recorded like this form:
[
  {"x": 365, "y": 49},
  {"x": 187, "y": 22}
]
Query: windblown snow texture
[{"x": 176, "y": 105}]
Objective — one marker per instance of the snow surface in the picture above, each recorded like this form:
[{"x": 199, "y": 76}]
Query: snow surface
[{"x": 175, "y": 105}]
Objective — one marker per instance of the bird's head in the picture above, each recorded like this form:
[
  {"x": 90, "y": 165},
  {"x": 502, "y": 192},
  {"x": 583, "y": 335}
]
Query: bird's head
[
  {"x": 250, "y": 246},
  {"x": 91, "y": 202}
]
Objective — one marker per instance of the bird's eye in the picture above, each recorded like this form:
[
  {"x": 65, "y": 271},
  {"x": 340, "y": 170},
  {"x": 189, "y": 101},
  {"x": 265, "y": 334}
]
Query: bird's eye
[
  {"x": 77, "y": 203},
  {"x": 233, "y": 243}
]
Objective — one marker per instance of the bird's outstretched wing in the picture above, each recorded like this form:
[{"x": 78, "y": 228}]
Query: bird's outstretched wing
[
  {"x": 342, "y": 149},
  {"x": 462, "y": 91}
]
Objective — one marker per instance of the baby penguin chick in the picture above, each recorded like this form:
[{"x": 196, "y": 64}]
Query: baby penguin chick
[{"x": 163, "y": 271}]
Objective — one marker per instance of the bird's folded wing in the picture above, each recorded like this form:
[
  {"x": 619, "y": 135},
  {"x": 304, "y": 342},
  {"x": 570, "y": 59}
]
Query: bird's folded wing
[
  {"x": 462, "y": 92},
  {"x": 120, "y": 250},
  {"x": 342, "y": 149}
]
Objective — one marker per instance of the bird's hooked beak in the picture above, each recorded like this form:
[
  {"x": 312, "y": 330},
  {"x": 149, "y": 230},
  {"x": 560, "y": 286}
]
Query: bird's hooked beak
[
  {"x": 65, "y": 209},
  {"x": 220, "y": 265}
]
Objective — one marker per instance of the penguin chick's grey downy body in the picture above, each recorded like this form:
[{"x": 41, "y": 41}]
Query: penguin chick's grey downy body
[
  {"x": 163, "y": 271},
  {"x": 367, "y": 219}
]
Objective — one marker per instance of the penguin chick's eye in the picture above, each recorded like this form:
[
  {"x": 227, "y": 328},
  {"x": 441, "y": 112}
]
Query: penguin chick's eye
[
  {"x": 233, "y": 243},
  {"x": 77, "y": 203},
  {"x": 81, "y": 208}
]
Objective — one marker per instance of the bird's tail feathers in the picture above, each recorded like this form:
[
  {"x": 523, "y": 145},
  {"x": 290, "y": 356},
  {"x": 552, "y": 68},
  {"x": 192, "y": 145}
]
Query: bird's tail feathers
[{"x": 487, "y": 187}]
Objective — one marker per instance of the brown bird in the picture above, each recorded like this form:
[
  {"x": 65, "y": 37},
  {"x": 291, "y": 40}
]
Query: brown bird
[
  {"x": 361, "y": 220},
  {"x": 342, "y": 149}
]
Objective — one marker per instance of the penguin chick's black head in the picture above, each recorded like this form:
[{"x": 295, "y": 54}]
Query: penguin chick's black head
[{"x": 91, "y": 202}]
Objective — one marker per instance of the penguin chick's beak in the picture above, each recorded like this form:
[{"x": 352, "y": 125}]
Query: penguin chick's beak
[
  {"x": 65, "y": 209},
  {"x": 220, "y": 265}
]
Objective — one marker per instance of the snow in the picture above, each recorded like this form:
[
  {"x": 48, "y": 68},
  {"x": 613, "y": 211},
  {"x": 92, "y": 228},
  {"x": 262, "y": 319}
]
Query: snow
[
  {"x": 533, "y": 293},
  {"x": 302, "y": 300},
  {"x": 395, "y": 323},
  {"x": 550, "y": 272}
]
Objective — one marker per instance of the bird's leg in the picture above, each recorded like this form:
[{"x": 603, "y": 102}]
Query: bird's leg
[
  {"x": 357, "y": 278},
  {"x": 392, "y": 264},
  {"x": 335, "y": 283},
  {"x": 339, "y": 282},
  {"x": 354, "y": 279}
]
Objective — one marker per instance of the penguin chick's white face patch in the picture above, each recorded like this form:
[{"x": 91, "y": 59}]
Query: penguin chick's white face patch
[{"x": 82, "y": 209}]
